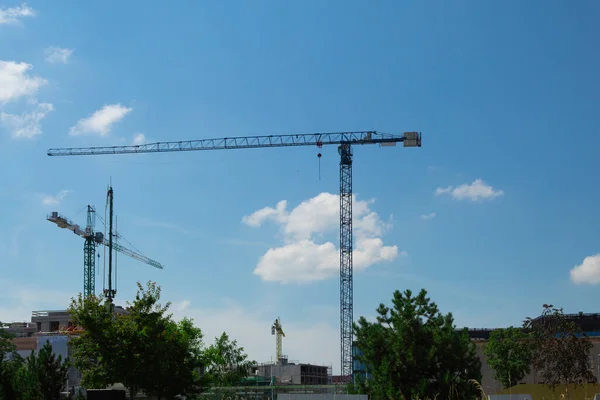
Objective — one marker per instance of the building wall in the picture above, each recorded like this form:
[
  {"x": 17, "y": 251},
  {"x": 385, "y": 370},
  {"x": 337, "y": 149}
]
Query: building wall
[{"x": 296, "y": 374}]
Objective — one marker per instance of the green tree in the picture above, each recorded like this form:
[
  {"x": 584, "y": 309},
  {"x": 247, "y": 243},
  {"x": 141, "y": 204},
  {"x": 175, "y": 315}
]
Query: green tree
[
  {"x": 414, "y": 351},
  {"x": 560, "y": 349},
  {"x": 93, "y": 352},
  {"x": 50, "y": 371},
  {"x": 10, "y": 384},
  {"x": 10, "y": 366},
  {"x": 144, "y": 349},
  {"x": 508, "y": 353},
  {"x": 226, "y": 363}
]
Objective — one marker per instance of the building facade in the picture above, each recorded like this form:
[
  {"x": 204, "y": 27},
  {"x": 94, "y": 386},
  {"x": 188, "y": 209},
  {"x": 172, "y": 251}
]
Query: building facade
[
  {"x": 294, "y": 373},
  {"x": 359, "y": 369}
]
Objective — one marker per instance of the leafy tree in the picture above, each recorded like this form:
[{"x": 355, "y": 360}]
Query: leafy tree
[
  {"x": 145, "y": 349},
  {"x": 226, "y": 363},
  {"x": 94, "y": 350},
  {"x": 509, "y": 354},
  {"x": 413, "y": 351},
  {"x": 560, "y": 349}
]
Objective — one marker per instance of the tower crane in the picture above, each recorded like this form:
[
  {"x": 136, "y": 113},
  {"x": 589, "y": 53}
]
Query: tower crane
[
  {"x": 344, "y": 140},
  {"x": 92, "y": 239},
  {"x": 277, "y": 330}
]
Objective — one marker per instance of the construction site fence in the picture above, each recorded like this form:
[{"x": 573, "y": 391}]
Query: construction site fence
[{"x": 267, "y": 392}]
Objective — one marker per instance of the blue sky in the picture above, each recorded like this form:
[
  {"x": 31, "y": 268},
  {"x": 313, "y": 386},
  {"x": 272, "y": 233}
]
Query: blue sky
[{"x": 505, "y": 94}]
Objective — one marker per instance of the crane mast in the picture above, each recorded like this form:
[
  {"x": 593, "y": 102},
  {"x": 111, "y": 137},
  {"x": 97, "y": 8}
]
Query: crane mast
[
  {"x": 92, "y": 239},
  {"x": 110, "y": 292},
  {"x": 344, "y": 141},
  {"x": 277, "y": 330},
  {"x": 89, "y": 254}
]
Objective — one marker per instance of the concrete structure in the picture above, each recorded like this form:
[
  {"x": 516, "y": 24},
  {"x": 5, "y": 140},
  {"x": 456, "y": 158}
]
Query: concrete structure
[{"x": 294, "y": 373}]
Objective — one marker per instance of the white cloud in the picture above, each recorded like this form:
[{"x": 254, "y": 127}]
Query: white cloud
[
  {"x": 13, "y": 15},
  {"x": 588, "y": 271},
  {"x": 300, "y": 258},
  {"x": 15, "y": 81},
  {"x": 49, "y": 200},
  {"x": 138, "y": 139},
  {"x": 101, "y": 121},
  {"x": 58, "y": 55},
  {"x": 427, "y": 217},
  {"x": 478, "y": 190},
  {"x": 26, "y": 125}
]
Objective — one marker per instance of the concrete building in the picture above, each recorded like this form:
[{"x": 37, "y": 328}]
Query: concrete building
[{"x": 294, "y": 373}]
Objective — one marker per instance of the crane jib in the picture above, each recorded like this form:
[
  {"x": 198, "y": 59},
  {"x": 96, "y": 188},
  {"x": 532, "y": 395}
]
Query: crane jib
[{"x": 412, "y": 139}]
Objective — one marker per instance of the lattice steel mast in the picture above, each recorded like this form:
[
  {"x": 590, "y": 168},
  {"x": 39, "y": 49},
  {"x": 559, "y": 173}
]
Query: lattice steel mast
[
  {"x": 92, "y": 240},
  {"x": 345, "y": 141},
  {"x": 346, "y": 247},
  {"x": 89, "y": 254}
]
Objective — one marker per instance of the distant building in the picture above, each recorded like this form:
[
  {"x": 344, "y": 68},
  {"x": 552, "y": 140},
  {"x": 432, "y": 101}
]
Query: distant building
[
  {"x": 294, "y": 373},
  {"x": 359, "y": 369}
]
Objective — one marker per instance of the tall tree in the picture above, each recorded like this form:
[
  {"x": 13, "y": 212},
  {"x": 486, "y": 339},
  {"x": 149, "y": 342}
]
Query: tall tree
[
  {"x": 50, "y": 370},
  {"x": 144, "y": 349},
  {"x": 508, "y": 352},
  {"x": 226, "y": 363},
  {"x": 560, "y": 349},
  {"x": 93, "y": 352},
  {"x": 414, "y": 351}
]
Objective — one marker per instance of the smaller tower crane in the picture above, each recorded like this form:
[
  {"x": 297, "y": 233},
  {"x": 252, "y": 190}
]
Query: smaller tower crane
[
  {"x": 92, "y": 240},
  {"x": 277, "y": 330}
]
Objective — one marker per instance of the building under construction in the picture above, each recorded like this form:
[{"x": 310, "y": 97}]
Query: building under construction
[{"x": 294, "y": 373}]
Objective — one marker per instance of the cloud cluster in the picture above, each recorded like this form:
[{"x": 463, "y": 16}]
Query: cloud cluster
[
  {"x": 12, "y": 15},
  {"x": 101, "y": 121},
  {"x": 477, "y": 190},
  {"x": 58, "y": 55},
  {"x": 49, "y": 200},
  {"x": 588, "y": 271},
  {"x": 17, "y": 82},
  {"x": 300, "y": 258},
  {"x": 138, "y": 139},
  {"x": 428, "y": 217},
  {"x": 27, "y": 124}
]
